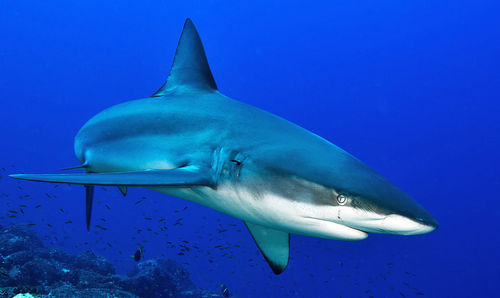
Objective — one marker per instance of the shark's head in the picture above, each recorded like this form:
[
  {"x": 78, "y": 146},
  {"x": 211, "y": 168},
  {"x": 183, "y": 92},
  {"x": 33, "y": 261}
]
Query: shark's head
[
  {"x": 341, "y": 193},
  {"x": 362, "y": 199},
  {"x": 380, "y": 207}
]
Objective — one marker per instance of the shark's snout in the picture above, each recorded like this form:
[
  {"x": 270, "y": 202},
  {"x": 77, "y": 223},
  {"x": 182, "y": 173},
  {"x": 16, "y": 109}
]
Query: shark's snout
[
  {"x": 405, "y": 217},
  {"x": 391, "y": 223},
  {"x": 398, "y": 224}
]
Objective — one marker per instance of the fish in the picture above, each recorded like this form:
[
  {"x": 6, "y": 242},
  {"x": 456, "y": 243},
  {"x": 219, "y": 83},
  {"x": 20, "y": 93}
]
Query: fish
[
  {"x": 139, "y": 254},
  {"x": 241, "y": 156},
  {"x": 225, "y": 291}
]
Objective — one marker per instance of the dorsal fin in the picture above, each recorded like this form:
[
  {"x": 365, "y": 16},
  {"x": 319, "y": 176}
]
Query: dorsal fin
[{"x": 190, "y": 68}]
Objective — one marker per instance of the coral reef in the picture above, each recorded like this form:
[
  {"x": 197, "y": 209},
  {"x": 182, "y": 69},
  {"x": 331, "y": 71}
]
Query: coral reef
[{"x": 27, "y": 266}]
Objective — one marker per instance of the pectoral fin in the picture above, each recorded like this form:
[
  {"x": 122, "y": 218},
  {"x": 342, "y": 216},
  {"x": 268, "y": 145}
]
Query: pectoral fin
[
  {"x": 186, "y": 176},
  {"x": 180, "y": 177},
  {"x": 273, "y": 244}
]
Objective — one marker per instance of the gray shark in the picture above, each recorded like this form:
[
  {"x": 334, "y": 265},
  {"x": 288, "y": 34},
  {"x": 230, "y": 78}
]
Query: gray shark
[{"x": 190, "y": 141}]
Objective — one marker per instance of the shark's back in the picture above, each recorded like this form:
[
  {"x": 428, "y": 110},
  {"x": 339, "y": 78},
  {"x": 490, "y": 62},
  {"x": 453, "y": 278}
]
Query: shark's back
[{"x": 200, "y": 119}]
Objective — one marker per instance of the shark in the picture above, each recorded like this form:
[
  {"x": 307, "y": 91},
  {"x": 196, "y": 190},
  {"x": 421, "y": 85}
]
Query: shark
[{"x": 190, "y": 141}]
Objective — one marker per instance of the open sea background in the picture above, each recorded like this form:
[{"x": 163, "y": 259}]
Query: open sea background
[{"x": 409, "y": 87}]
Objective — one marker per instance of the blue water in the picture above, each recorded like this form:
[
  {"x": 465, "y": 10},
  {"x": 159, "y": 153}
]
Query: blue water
[{"x": 411, "y": 89}]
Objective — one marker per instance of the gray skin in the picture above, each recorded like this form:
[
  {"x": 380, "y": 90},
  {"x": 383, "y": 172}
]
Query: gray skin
[{"x": 189, "y": 140}]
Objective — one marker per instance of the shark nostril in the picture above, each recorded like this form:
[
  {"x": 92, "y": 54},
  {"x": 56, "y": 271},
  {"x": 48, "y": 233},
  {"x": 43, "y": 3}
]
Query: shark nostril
[{"x": 431, "y": 222}]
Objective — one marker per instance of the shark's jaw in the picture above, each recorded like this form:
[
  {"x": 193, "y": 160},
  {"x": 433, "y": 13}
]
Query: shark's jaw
[{"x": 372, "y": 222}]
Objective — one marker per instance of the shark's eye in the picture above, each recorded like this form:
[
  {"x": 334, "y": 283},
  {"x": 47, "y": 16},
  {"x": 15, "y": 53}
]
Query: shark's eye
[{"x": 341, "y": 199}]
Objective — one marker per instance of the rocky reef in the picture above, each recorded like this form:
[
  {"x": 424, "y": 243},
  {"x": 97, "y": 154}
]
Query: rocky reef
[{"x": 27, "y": 266}]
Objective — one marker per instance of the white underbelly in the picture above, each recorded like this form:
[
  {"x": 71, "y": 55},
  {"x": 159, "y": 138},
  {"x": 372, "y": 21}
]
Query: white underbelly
[{"x": 267, "y": 210}]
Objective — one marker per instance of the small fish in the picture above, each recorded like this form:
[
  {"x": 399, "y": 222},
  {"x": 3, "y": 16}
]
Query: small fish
[
  {"x": 4, "y": 275},
  {"x": 138, "y": 202},
  {"x": 38, "y": 206},
  {"x": 139, "y": 254},
  {"x": 68, "y": 222},
  {"x": 107, "y": 207},
  {"x": 50, "y": 226},
  {"x": 31, "y": 224},
  {"x": 13, "y": 211},
  {"x": 23, "y": 206},
  {"x": 101, "y": 227},
  {"x": 61, "y": 209},
  {"x": 147, "y": 218},
  {"x": 225, "y": 291}
]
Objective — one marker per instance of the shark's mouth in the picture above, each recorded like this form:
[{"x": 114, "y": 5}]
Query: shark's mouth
[
  {"x": 334, "y": 230},
  {"x": 386, "y": 224}
]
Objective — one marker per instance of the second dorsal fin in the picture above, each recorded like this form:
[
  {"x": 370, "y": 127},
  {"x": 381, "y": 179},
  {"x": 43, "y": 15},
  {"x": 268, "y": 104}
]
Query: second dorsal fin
[{"x": 190, "y": 68}]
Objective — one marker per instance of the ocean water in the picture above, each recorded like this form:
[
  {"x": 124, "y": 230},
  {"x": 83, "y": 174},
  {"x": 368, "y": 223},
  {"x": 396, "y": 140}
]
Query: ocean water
[{"x": 410, "y": 88}]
